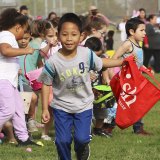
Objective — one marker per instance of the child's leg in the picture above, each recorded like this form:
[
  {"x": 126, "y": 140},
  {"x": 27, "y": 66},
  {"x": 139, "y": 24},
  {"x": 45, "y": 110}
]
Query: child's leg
[
  {"x": 18, "y": 119},
  {"x": 7, "y": 102},
  {"x": 63, "y": 133},
  {"x": 47, "y": 126},
  {"x": 137, "y": 126},
  {"x": 99, "y": 115},
  {"x": 8, "y": 130},
  {"x": 31, "y": 114},
  {"x": 82, "y": 134}
]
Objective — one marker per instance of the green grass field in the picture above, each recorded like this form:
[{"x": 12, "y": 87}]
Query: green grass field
[{"x": 124, "y": 145}]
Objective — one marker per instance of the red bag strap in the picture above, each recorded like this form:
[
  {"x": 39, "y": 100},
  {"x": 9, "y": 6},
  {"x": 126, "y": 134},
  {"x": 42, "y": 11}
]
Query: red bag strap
[{"x": 148, "y": 72}]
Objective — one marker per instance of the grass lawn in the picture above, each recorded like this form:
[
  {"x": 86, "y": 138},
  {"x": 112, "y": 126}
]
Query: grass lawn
[{"x": 124, "y": 145}]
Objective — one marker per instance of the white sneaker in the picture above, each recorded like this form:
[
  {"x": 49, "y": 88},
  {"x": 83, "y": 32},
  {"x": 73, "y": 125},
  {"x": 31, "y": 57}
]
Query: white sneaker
[
  {"x": 46, "y": 138},
  {"x": 31, "y": 126}
]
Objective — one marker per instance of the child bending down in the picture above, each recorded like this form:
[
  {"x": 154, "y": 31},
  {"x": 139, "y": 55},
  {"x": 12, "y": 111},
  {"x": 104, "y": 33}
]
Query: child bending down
[{"x": 68, "y": 72}]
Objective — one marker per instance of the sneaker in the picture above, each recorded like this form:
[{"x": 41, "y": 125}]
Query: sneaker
[
  {"x": 13, "y": 141},
  {"x": 107, "y": 128},
  {"x": 31, "y": 125},
  {"x": 99, "y": 132},
  {"x": 28, "y": 142},
  {"x": 108, "y": 131},
  {"x": 83, "y": 152},
  {"x": 46, "y": 138},
  {"x": 142, "y": 132}
]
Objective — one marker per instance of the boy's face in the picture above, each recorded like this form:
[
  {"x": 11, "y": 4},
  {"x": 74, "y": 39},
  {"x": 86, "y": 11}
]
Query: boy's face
[
  {"x": 140, "y": 33},
  {"x": 23, "y": 43},
  {"x": 69, "y": 36}
]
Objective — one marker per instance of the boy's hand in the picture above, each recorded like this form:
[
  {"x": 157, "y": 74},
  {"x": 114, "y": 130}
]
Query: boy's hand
[
  {"x": 93, "y": 76},
  {"x": 135, "y": 57},
  {"x": 45, "y": 116}
]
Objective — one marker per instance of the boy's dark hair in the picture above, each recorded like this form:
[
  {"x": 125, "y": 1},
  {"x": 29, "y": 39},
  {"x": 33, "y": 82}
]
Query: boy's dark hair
[
  {"x": 110, "y": 34},
  {"x": 10, "y": 17},
  {"x": 70, "y": 17},
  {"x": 23, "y": 7},
  {"x": 132, "y": 23},
  {"x": 93, "y": 43}
]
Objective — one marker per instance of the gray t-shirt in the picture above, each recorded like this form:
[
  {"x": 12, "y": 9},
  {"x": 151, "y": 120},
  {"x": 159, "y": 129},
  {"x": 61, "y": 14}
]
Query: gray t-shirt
[{"x": 70, "y": 79}]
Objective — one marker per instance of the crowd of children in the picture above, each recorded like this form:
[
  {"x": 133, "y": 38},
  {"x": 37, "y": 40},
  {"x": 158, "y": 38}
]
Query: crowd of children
[{"x": 71, "y": 52}]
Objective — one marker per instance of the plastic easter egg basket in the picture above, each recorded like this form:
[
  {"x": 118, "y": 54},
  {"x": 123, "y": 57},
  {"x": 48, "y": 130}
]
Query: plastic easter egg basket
[{"x": 32, "y": 77}]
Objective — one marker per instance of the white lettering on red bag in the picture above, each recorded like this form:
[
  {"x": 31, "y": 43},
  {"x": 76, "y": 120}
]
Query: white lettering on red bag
[{"x": 129, "y": 98}]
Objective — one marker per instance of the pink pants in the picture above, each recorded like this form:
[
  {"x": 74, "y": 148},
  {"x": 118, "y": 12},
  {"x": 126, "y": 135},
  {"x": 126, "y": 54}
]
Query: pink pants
[{"x": 11, "y": 107}]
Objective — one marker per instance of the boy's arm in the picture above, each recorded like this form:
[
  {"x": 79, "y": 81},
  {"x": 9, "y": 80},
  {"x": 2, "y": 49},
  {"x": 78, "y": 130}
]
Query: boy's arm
[
  {"x": 117, "y": 59},
  {"x": 45, "y": 97},
  {"x": 124, "y": 48},
  {"x": 107, "y": 62}
]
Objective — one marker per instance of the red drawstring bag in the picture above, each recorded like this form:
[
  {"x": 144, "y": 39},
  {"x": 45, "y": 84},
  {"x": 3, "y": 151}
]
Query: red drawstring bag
[{"x": 134, "y": 93}]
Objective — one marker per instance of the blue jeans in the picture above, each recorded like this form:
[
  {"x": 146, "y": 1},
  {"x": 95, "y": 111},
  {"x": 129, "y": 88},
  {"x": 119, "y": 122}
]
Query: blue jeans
[
  {"x": 65, "y": 124},
  {"x": 137, "y": 126}
]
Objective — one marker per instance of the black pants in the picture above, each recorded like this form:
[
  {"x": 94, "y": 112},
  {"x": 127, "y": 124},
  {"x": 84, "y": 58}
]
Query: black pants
[{"x": 148, "y": 53}]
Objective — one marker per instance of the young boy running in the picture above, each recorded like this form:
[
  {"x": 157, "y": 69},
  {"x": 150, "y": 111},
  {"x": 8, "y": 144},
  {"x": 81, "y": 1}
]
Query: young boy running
[{"x": 68, "y": 72}]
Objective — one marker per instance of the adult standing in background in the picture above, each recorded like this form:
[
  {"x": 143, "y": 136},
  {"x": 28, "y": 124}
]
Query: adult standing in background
[
  {"x": 153, "y": 42},
  {"x": 51, "y": 16},
  {"x": 142, "y": 15}
]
